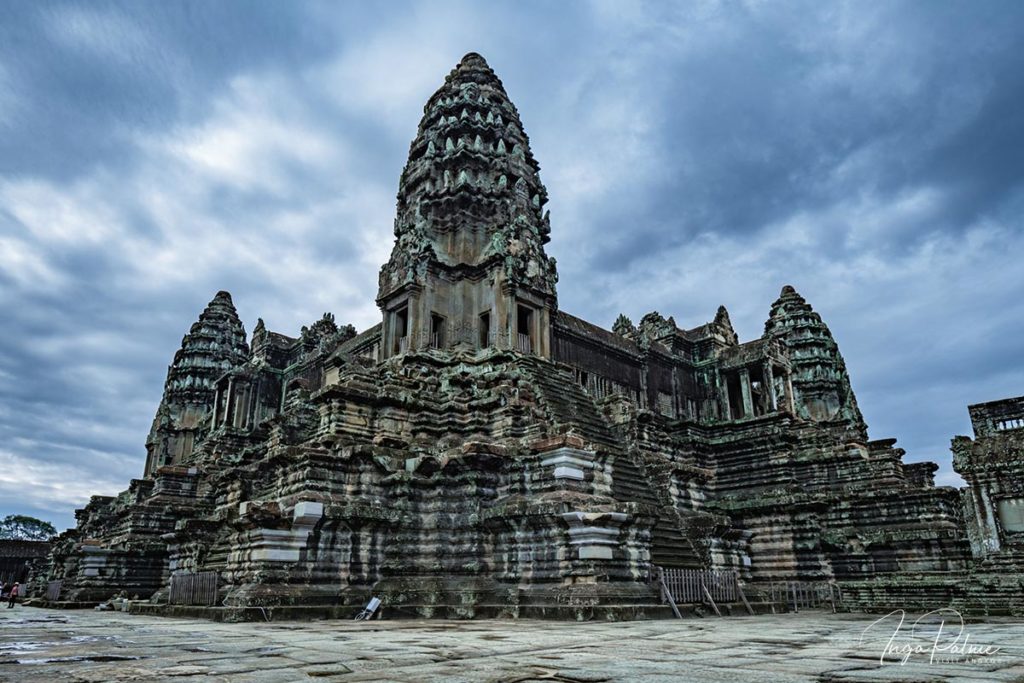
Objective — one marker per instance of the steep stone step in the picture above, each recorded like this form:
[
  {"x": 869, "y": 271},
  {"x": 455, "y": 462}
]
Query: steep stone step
[{"x": 569, "y": 404}]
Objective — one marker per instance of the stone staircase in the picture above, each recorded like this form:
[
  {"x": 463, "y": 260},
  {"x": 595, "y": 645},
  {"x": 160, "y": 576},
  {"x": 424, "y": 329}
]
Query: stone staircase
[
  {"x": 996, "y": 586},
  {"x": 670, "y": 547},
  {"x": 569, "y": 404}
]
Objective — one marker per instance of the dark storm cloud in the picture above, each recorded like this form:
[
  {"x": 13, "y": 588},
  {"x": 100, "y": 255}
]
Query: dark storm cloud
[
  {"x": 787, "y": 111},
  {"x": 90, "y": 74},
  {"x": 696, "y": 154}
]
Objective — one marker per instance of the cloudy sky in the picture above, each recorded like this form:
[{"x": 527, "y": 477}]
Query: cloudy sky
[{"x": 696, "y": 154}]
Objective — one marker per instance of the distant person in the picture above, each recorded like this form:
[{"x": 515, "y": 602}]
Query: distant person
[{"x": 14, "y": 595}]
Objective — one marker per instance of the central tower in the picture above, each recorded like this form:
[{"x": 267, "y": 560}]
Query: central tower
[{"x": 468, "y": 269}]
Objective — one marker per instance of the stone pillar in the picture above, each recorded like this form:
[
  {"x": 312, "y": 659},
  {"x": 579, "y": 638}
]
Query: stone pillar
[
  {"x": 229, "y": 405},
  {"x": 748, "y": 402},
  {"x": 987, "y": 522},
  {"x": 247, "y": 418},
  {"x": 504, "y": 317},
  {"x": 725, "y": 407},
  {"x": 678, "y": 407},
  {"x": 769, "y": 383},
  {"x": 255, "y": 407},
  {"x": 542, "y": 331},
  {"x": 216, "y": 406},
  {"x": 790, "y": 398}
]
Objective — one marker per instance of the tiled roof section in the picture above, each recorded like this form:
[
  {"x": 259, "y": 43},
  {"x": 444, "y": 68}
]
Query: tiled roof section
[
  {"x": 282, "y": 340},
  {"x": 23, "y": 549},
  {"x": 600, "y": 335},
  {"x": 744, "y": 353},
  {"x": 697, "y": 333},
  {"x": 364, "y": 338}
]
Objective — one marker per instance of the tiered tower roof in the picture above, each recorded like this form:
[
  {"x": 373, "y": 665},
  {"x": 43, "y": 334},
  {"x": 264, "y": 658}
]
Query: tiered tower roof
[
  {"x": 818, "y": 370},
  {"x": 471, "y": 193},
  {"x": 214, "y": 344}
]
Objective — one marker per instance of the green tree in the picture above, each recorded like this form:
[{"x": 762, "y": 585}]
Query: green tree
[{"x": 25, "y": 528}]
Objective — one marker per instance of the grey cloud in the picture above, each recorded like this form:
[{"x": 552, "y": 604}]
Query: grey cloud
[{"x": 764, "y": 124}]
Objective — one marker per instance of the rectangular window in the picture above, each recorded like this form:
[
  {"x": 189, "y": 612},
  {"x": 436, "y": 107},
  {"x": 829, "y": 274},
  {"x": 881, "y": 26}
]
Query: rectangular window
[
  {"x": 187, "y": 441},
  {"x": 436, "y": 331},
  {"x": 757, "y": 396},
  {"x": 735, "y": 391},
  {"x": 402, "y": 330},
  {"x": 665, "y": 404},
  {"x": 485, "y": 330},
  {"x": 1011, "y": 514},
  {"x": 524, "y": 330}
]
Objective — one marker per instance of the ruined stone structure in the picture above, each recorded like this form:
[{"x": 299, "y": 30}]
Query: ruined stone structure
[
  {"x": 481, "y": 451},
  {"x": 17, "y": 556},
  {"x": 992, "y": 464}
]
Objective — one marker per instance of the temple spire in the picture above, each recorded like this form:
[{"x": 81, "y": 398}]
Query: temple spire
[
  {"x": 821, "y": 384},
  {"x": 214, "y": 344},
  {"x": 470, "y": 173},
  {"x": 470, "y": 217}
]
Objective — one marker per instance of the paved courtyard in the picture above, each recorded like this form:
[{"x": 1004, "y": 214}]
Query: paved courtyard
[{"x": 51, "y": 645}]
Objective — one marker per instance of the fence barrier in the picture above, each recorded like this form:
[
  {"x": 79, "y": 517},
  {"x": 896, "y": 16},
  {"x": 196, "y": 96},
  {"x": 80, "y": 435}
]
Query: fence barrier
[
  {"x": 799, "y": 595},
  {"x": 688, "y": 585},
  {"x": 199, "y": 588},
  {"x": 53, "y": 590},
  {"x": 712, "y": 586}
]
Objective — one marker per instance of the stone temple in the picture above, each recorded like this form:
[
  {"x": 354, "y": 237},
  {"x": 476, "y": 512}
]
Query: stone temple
[{"x": 482, "y": 452}]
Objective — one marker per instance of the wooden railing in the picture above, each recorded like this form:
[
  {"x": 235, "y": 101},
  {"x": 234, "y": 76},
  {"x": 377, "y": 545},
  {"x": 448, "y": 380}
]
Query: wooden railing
[
  {"x": 198, "y": 588},
  {"x": 403, "y": 344},
  {"x": 437, "y": 340}
]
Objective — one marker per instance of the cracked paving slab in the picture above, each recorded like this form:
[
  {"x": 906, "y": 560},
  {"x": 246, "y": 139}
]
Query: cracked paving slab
[{"x": 42, "y": 644}]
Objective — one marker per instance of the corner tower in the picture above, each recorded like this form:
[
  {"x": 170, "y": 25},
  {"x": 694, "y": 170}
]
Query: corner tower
[
  {"x": 468, "y": 269},
  {"x": 214, "y": 344},
  {"x": 820, "y": 381}
]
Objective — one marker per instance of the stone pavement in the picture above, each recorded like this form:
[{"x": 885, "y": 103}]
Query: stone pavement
[{"x": 50, "y": 645}]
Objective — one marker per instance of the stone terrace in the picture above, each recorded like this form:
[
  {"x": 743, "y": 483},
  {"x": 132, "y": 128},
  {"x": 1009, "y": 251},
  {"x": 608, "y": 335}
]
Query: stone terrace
[{"x": 41, "y": 644}]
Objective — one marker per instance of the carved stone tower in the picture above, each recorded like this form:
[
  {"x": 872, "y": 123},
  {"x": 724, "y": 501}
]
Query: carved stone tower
[
  {"x": 821, "y": 384},
  {"x": 468, "y": 270},
  {"x": 214, "y": 345}
]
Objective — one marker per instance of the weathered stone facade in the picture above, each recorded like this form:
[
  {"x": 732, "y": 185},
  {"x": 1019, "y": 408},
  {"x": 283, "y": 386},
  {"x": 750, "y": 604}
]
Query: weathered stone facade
[
  {"x": 483, "y": 452},
  {"x": 992, "y": 464},
  {"x": 18, "y": 556}
]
